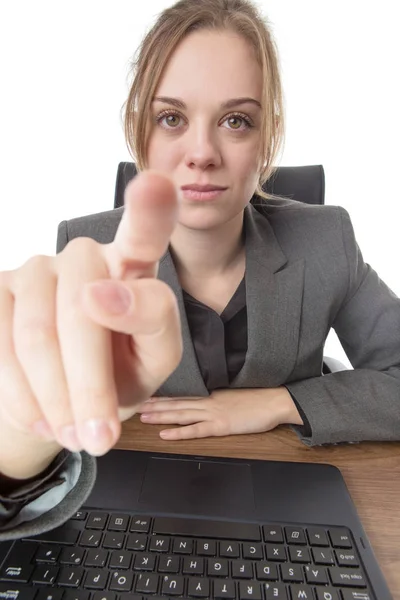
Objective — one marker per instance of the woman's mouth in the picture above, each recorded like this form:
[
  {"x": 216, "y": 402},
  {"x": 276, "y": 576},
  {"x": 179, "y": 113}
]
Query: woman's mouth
[{"x": 195, "y": 191}]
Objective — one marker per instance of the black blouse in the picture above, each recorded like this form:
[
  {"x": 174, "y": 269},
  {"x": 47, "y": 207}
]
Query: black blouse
[{"x": 220, "y": 341}]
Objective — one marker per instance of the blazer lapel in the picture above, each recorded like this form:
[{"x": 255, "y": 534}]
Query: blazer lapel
[
  {"x": 186, "y": 380},
  {"x": 274, "y": 292}
]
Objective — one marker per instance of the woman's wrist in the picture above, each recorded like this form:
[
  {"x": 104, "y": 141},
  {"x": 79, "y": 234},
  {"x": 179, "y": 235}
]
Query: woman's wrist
[
  {"x": 286, "y": 408},
  {"x": 22, "y": 457}
]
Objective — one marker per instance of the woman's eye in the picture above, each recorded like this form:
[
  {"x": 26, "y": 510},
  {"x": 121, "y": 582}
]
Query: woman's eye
[
  {"x": 234, "y": 122},
  {"x": 169, "y": 121},
  {"x": 238, "y": 122}
]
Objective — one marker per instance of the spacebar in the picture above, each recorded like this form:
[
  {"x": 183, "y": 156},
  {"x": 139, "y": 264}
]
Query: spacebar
[{"x": 207, "y": 529}]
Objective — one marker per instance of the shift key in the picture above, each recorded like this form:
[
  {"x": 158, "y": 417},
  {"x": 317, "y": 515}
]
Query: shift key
[{"x": 16, "y": 592}]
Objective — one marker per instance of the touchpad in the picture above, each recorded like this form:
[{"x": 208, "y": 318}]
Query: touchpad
[{"x": 200, "y": 485}]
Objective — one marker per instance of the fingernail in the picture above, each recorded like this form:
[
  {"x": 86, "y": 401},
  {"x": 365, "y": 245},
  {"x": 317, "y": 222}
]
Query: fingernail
[
  {"x": 69, "y": 439},
  {"x": 42, "y": 428},
  {"x": 96, "y": 436},
  {"x": 113, "y": 297},
  {"x": 145, "y": 416}
]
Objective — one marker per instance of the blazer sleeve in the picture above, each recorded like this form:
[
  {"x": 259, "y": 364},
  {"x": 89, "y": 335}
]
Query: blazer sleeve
[
  {"x": 364, "y": 403},
  {"x": 44, "y": 506}
]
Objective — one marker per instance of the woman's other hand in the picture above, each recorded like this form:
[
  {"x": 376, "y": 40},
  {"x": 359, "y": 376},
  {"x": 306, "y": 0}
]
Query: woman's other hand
[{"x": 224, "y": 412}]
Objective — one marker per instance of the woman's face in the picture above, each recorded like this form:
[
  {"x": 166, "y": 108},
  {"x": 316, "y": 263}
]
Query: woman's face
[{"x": 205, "y": 128}]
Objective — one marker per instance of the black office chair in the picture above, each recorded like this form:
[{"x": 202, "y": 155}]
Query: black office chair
[{"x": 305, "y": 184}]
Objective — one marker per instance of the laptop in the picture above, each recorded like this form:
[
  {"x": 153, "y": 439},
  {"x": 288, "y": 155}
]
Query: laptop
[{"x": 162, "y": 526}]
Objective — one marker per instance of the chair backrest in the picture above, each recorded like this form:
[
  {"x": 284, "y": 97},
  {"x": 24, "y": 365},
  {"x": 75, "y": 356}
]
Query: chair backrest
[{"x": 305, "y": 184}]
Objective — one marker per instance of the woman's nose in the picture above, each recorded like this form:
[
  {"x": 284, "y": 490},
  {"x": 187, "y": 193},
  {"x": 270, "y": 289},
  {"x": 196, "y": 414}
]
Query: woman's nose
[{"x": 202, "y": 149}]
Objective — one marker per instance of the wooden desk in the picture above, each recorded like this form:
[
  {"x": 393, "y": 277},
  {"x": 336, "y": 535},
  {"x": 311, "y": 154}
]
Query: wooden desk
[{"x": 371, "y": 472}]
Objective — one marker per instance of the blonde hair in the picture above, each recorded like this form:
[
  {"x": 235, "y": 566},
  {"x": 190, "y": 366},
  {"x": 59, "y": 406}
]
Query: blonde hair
[{"x": 171, "y": 27}]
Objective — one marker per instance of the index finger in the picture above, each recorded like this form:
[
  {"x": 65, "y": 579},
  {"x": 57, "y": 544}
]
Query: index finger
[{"x": 149, "y": 218}]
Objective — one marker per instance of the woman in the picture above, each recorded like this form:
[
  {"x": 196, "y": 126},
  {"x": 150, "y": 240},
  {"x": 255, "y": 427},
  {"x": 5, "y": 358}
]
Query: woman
[{"x": 265, "y": 281}]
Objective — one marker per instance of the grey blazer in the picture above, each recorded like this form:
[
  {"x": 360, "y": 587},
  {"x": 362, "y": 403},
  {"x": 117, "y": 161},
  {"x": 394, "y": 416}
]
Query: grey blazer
[{"x": 304, "y": 275}]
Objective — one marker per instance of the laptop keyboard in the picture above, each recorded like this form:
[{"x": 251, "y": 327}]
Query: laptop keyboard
[{"x": 108, "y": 556}]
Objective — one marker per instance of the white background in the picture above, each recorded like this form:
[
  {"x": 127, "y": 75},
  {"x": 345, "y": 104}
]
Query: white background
[{"x": 63, "y": 77}]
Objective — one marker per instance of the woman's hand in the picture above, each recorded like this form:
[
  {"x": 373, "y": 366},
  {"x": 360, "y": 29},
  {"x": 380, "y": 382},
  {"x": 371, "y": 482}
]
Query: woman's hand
[
  {"x": 87, "y": 335},
  {"x": 224, "y": 412}
]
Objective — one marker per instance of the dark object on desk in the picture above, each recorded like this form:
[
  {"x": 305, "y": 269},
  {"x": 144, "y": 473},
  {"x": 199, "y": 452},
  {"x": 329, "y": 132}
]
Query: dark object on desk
[{"x": 187, "y": 526}]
